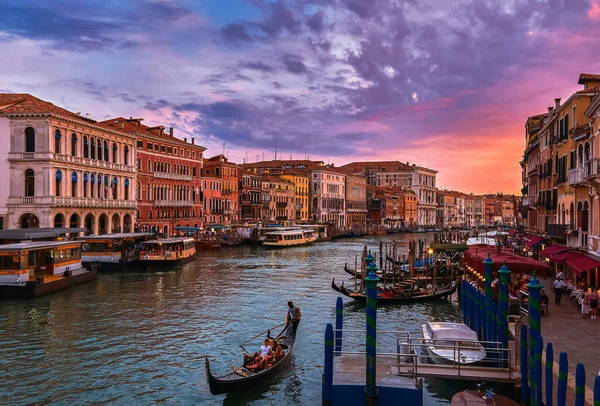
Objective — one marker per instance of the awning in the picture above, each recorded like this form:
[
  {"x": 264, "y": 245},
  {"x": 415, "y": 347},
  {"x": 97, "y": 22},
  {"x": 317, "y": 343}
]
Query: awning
[
  {"x": 562, "y": 257},
  {"x": 533, "y": 240},
  {"x": 553, "y": 250},
  {"x": 582, "y": 264}
]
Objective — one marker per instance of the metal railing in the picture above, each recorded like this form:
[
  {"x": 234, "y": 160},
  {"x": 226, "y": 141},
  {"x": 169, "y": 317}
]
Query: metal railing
[{"x": 575, "y": 176}]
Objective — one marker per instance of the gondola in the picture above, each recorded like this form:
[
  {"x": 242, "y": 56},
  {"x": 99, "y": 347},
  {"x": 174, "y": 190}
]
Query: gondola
[
  {"x": 388, "y": 275},
  {"x": 405, "y": 296},
  {"x": 241, "y": 378},
  {"x": 393, "y": 261}
]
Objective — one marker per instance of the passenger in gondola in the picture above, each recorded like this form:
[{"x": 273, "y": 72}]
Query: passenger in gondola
[
  {"x": 277, "y": 351},
  {"x": 266, "y": 354}
]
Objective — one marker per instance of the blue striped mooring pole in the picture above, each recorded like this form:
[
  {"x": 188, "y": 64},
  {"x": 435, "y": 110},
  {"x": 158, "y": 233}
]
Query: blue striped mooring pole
[
  {"x": 371, "y": 370},
  {"x": 328, "y": 369},
  {"x": 503, "y": 304},
  {"x": 339, "y": 319},
  {"x": 563, "y": 372},
  {"x": 580, "y": 385},
  {"x": 549, "y": 373}
]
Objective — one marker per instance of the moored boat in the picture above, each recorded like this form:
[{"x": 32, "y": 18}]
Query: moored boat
[
  {"x": 289, "y": 238},
  {"x": 405, "y": 294},
  {"x": 167, "y": 250},
  {"x": 241, "y": 378},
  {"x": 112, "y": 251},
  {"x": 388, "y": 275},
  {"x": 475, "y": 398},
  {"x": 32, "y": 269},
  {"x": 452, "y": 343}
]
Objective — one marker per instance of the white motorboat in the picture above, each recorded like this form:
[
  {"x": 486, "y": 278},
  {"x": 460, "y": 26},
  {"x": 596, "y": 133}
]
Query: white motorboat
[{"x": 452, "y": 343}]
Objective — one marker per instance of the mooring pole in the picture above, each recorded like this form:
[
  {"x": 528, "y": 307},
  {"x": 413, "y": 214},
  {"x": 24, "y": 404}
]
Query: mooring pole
[
  {"x": 549, "y": 373},
  {"x": 563, "y": 372},
  {"x": 371, "y": 370},
  {"x": 339, "y": 319},
  {"x": 580, "y": 385},
  {"x": 504, "y": 304},
  {"x": 328, "y": 370}
]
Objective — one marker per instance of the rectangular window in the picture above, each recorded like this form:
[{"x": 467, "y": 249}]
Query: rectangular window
[
  {"x": 156, "y": 147},
  {"x": 188, "y": 153},
  {"x": 181, "y": 152},
  {"x": 163, "y": 149},
  {"x": 169, "y": 150},
  {"x": 174, "y": 151},
  {"x": 193, "y": 154},
  {"x": 149, "y": 146},
  {"x": 140, "y": 144}
]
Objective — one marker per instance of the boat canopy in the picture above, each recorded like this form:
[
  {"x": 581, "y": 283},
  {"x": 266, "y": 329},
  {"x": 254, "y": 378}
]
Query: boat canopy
[
  {"x": 452, "y": 331},
  {"x": 448, "y": 247},
  {"x": 182, "y": 228}
]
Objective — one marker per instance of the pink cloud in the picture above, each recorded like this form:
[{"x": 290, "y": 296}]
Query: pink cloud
[{"x": 594, "y": 11}]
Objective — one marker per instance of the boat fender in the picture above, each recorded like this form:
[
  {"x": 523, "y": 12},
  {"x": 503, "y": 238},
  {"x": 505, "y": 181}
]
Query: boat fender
[{"x": 147, "y": 257}]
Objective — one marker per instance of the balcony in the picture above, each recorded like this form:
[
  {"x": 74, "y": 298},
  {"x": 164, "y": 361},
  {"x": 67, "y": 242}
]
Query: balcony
[
  {"x": 575, "y": 176},
  {"x": 281, "y": 204},
  {"x": 216, "y": 211},
  {"x": 65, "y": 201},
  {"x": 299, "y": 207},
  {"x": 173, "y": 203},
  {"x": 592, "y": 168},
  {"x": 173, "y": 176},
  {"x": 558, "y": 230},
  {"x": 532, "y": 170},
  {"x": 530, "y": 201}
]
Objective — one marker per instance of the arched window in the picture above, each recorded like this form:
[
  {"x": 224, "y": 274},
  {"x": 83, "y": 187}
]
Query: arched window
[
  {"x": 93, "y": 148},
  {"x": 86, "y": 150},
  {"x": 115, "y": 185},
  {"x": 139, "y": 164},
  {"x": 85, "y": 185},
  {"x": 126, "y": 155},
  {"x": 29, "y": 182},
  {"x": 194, "y": 171},
  {"x": 73, "y": 145},
  {"x": 58, "y": 182},
  {"x": 74, "y": 184},
  {"x": 148, "y": 192},
  {"x": 139, "y": 191},
  {"x": 92, "y": 183},
  {"x": 150, "y": 214},
  {"x": 99, "y": 149},
  {"x": 115, "y": 150},
  {"x": 106, "y": 152},
  {"x": 57, "y": 136},
  {"x": 154, "y": 166},
  {"x": 29, "y": 139},
  {"x": 126, "y": 188}
]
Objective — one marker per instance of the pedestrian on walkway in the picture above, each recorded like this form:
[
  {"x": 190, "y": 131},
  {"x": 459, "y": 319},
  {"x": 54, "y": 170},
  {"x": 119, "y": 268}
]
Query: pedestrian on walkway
[
  {"x": 592, "y": 299},
  {"x": 559, "y": 286}
]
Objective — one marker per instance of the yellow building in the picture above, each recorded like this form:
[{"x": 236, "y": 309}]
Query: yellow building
[{"x": 300, "y": 181}]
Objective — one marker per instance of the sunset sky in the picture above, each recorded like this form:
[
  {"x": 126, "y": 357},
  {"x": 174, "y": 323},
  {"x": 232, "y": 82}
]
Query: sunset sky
[{"x": 443, "y": 84}]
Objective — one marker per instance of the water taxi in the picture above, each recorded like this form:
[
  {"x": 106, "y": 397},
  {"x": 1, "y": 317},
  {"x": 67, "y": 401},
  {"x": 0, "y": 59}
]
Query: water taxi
[
  {"x": 165, "y": 250},
  {"x": 452, "y": 343},
  {"x": 32, "y": 269},
  {"x": 112, "y": 251},
  {"x": 289, "y": 238}
]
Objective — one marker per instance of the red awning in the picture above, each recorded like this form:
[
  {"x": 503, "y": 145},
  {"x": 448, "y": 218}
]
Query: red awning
[
  {"x": 532, "y": 241},
  {"x": 562, "y": 257},
  {"x": 553, "y": 250},
  {"x": 582, "y": 264}
]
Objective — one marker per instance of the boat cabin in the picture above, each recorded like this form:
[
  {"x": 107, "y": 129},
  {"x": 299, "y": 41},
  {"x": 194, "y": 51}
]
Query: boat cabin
[
  {"x": 451, "y": 334},
  {"x": 112, "y": 249},
  {"x": 168, "y": 249},
  {"x": 24, "y": 261},
  {"x": 289, "y": 237}
]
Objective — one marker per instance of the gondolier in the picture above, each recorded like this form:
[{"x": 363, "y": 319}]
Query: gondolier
[{"x": 294, "y": 316}]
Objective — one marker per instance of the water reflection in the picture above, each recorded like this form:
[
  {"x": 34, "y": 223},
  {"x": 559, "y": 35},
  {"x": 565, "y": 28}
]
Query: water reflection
[{"x": 140, "y": 336}]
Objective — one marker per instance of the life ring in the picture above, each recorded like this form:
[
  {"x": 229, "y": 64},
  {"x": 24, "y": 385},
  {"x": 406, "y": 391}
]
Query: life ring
[{"x": 147, "y": 257}]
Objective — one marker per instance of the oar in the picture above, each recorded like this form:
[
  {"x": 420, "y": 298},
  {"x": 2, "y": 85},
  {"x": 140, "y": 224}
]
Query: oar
[{"x": 263, "y": 332}]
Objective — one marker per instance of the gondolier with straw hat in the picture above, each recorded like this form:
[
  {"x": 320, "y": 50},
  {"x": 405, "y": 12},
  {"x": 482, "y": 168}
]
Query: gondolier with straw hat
[{"x": 294, "y": 316}]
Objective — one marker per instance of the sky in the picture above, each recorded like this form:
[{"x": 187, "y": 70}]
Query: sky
[{"x": 443, "y": 84}]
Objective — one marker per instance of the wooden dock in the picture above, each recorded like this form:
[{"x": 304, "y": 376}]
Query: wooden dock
[{"x": 350, "y": 370}]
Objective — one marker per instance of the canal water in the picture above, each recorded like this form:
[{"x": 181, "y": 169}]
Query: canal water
[{"x": 139, "y": 337}]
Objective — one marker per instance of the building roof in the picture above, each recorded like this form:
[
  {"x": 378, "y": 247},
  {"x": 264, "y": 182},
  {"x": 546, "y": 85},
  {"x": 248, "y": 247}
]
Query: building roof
[
  {"x": 397, "y": 165},
  {"x": 588, "y": 77},
  {"x": 36, "y": 233},
  {"x": 594, "y": 89},
  {"x": 273, "y": 178},
  {"x": 281, "y": 164},
  {"x": 135, "y": 126},
  {"x": 19, "y": 103}
]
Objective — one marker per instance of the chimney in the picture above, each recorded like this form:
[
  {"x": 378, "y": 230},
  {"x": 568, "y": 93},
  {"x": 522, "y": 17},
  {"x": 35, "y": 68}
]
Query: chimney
[
  {"x": 185, "y": 139},
  {"x": 407, "y": 163},
  {"x": 193, "y": 141},
  {"x": 550, "y": 108},
  {"x": 556, "y": 103},
  {"x": 171, "y": 131}
]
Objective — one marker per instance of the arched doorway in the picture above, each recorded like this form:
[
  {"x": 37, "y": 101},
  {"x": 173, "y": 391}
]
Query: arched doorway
[
  {"x": 102, "y": 224},
  {"x": 579, "y": 222},
  {"x": 59, "y": 220},
  {"x": 29, "y": 220},
  {"x": 116, "y": 224},
  {"x": 127, "y": 223},
  {"x": 572, "y": 215},
  {"x": 74, "y": 221},
  {"x": 89, "y": 224},
  {"x": 585, "y": 217}
]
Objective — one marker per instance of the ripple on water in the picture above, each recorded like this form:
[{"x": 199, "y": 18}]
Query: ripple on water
[{"x": 141, "y": 337}]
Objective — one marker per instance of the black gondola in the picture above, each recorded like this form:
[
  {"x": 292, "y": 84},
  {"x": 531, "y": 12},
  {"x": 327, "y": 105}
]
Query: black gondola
[
  {"x": 405, "y": 296},
  {"x": 241, "y": 378},
  {"x": 388, "y": 275},
  {"x": 393, "y": 261}
]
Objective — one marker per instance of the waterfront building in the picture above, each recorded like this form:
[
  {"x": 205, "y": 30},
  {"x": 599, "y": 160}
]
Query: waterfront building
[
  {"x": 64, "y": 170},
  {"x": 328, "y": 194},
  {"x": 410, "y": 207},
  {"x": 530, "y": 173},
  {"x": 250, "y": 196},
  {"x": 168, "y": 177},
  {"x": 300, "y": 180},
  {"x": 282, "y": 196},
  {"x": 213, "y": 202},
  {"x": 220, "y": 166},
  {"x": 356, "y": 201},
  {"x": 592, "y": 172},
  {"x": 447, "y": 212},
  {"x": 394, "y": 173},
  {"x": 392, "y": 207},
  {"x": 474, "y": 209}
]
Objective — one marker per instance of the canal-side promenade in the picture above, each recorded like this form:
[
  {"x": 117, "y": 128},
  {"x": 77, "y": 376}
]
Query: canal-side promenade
[{"x": 570, "y": 332}]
